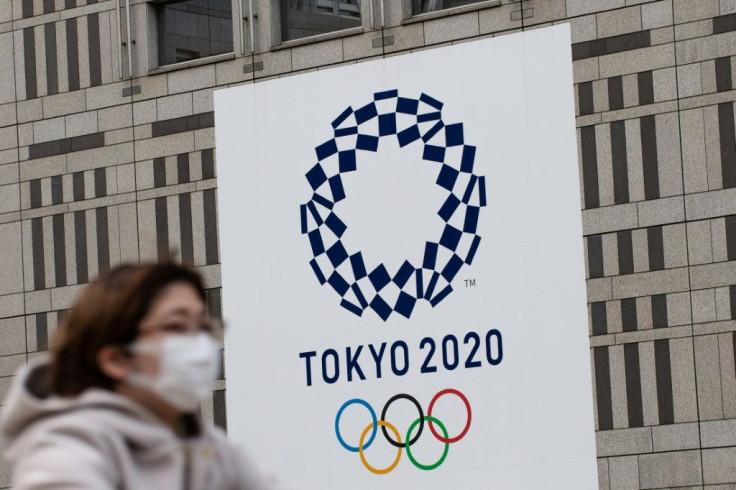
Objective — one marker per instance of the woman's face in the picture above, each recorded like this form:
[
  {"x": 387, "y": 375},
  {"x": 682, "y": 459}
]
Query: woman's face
[
  {"x": 178, "y": 310},
  {"x": 170, "y": 367}
]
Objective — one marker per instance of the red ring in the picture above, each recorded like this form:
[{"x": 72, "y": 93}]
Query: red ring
[{"x": 467, "y": 424}]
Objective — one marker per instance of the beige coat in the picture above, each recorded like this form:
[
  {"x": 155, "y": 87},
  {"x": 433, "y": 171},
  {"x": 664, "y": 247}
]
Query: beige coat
[{"x": 101, "y": 440}]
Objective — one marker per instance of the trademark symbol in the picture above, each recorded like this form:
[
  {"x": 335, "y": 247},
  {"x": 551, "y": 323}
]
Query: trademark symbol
[{"x": 469, "y": 283}]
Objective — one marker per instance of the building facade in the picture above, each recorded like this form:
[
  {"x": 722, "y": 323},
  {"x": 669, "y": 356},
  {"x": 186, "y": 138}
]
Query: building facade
[{"x": 107, "y": 154}]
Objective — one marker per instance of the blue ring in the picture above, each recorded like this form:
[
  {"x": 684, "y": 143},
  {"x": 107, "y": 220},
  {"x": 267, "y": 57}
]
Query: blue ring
[{"x": 345, "y": 405}]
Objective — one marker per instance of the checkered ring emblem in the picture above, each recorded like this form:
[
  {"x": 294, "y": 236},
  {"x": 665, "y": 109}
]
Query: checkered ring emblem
[{"x": 363, "y": 285}]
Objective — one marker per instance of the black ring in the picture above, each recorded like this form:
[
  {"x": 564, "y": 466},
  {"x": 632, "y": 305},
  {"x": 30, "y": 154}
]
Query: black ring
[{"x": 421, "y": 417}]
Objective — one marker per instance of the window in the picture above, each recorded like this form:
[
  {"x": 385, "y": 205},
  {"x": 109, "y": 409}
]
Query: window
[
  {"x": 191, "y": 29},
  {"x": 424, "y": 6},
  {"x": 303, "y": 18}
]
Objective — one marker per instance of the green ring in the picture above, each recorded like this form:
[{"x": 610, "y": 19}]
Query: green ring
[{"x": 408, "y": 447}]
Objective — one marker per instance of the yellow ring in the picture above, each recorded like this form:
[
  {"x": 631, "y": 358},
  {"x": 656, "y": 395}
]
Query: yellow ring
[{"x": 362, "y": 456}]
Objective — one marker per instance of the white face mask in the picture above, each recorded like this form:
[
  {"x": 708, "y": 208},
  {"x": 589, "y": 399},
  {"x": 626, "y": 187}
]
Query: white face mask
[{"x": 188, "y": 368}]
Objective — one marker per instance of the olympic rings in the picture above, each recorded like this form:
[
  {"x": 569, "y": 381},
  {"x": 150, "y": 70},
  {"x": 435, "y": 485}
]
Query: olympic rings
[
  {"x": 421, "y": 417},
  {"x": 390, "y": 468},
  {"x": 467, "y": 424},
  {"x": 409, "y": 441},
  {"x": 444, "y": 454}
]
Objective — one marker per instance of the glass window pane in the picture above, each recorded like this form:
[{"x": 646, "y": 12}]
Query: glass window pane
[
  {"x": 191, "y": 29},
  {"x": 424, "y": 6},
  {"x": 303, "y": 18}
]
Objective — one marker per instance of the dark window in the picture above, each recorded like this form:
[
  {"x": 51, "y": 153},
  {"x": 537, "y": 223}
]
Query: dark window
[
  {"x": 424, "y": 6},
  {"x": 191, "y": 29},
  {"x": 303, "y": 18}
]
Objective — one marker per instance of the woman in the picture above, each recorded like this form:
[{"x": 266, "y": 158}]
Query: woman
[{"x": 116, "y": 403}]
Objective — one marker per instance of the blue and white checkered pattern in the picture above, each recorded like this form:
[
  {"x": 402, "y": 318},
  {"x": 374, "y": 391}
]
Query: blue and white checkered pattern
[{"x": 412, "y": 121}]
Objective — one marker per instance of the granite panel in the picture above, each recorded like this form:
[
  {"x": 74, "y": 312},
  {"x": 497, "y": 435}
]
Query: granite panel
[
  {"x": 718, "y": 465},
  {"x": 619, "y": 21},
  {"x": 623, "y": 472},
  {"x": 718, "y": 433},
  {"x": 174, "y": 106},
  {"x": 713, "y": 275},
  {"x": 699, "y": 243},
  {"x": 144, "y": 112},
  {"x": 13, "y": 331},
  {"x": 688, "y": 11},
  {"x": 670, "y": 469},
  {"x": 11, "y": 281},
  {"x": 499, "y": 19},
  {"x": 705, "y": 48},
  {"x": 618, "y": 387},
  {"x": 648, "y": 384},
  {"x": 648, "y": 283},
  {"x": 708, "y": 370},
  {"x": 191, "y": 79},
  {"x": 115, "y": 117},
  {"x": 63, "y": 104},
  {"x": 726, "y": 344},
  {"x": 689, "y": 80},
  {"x": 661, "y": 211},
  {"x": 685, "y": 404},
  {"x": 637, "y": 60},
  {"x": 80, "y": 124},
  {"x": 664, "y": 83},
  {"x": 624, "y": 441},
  {"x": 324, "y": 53},
  {"x": 711, "y": 204},
  {"x": 12, "y": 305},
  {"x": 694, "y": 160},
  {"x": 582, "y": 7},
  {"x": 657, "y": 14},
  {"x": 610, "y": 218},
  {"x": 450, "y": 28}
]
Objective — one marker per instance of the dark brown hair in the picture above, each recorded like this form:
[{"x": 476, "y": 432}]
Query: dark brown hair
[{"x": 108, "y": 312}]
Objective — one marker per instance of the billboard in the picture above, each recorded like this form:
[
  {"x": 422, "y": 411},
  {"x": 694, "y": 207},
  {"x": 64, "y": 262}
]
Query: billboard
[{"x": 402, "y": 269}]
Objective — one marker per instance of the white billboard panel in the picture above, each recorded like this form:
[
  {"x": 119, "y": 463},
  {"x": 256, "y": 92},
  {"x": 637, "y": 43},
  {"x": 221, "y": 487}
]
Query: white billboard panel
[{"x": 402, "y": 261}]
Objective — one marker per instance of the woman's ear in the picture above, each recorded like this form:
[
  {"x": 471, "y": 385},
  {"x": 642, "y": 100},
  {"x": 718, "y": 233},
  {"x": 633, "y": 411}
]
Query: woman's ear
[{"x": 115, "y": 363}]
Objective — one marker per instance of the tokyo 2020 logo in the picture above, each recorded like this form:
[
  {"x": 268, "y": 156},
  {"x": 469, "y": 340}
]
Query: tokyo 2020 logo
[
  {"x": 396, "y": 440},
  {"x": 362, "y": 284}
]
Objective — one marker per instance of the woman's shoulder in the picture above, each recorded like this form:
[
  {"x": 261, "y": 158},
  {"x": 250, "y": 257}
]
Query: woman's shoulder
[
  {"x": 76, "y": 429},
  {"x": 103, "y": 421},
  {"x": 217, "y": 437},
  {"x": 242, "y": 469}
]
